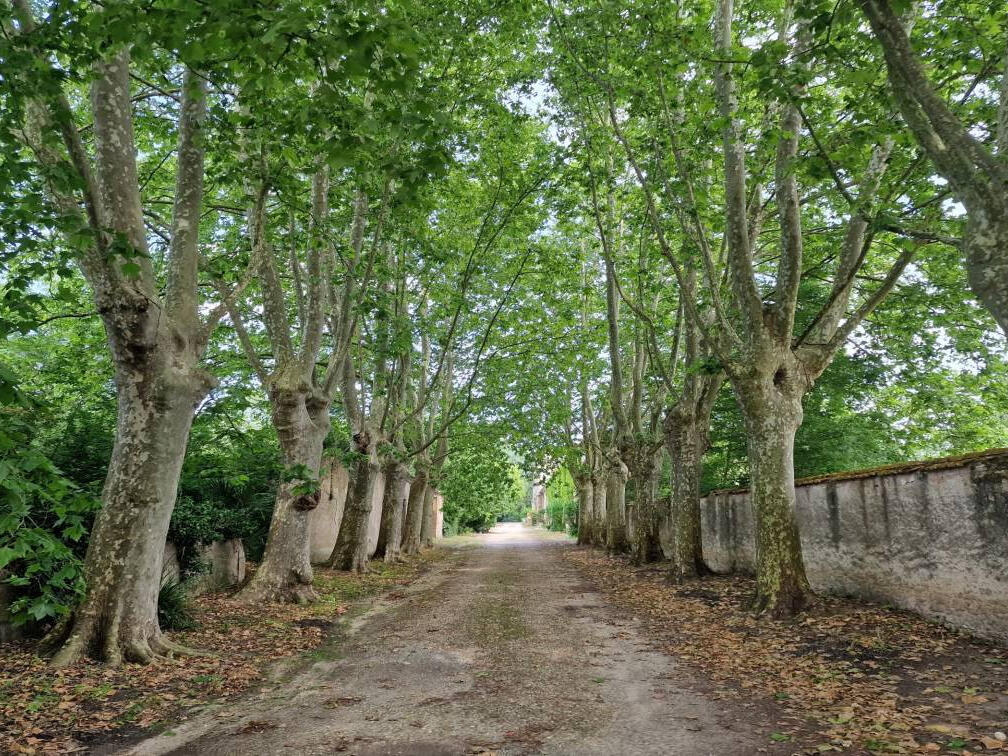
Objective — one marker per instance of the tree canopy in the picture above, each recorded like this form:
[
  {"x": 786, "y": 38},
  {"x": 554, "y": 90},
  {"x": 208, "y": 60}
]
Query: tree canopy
[{"x": 632, "y": 251}]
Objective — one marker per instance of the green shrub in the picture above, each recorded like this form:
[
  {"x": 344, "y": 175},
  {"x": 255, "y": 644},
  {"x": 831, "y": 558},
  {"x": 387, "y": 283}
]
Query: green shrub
[
  {"x": 43, "y": 517},
  {"x": 561, "y": 502},
  {"x": 227, "y": 490},
  {"x": 480, "y": 483},
  {"x": 174, "y": 609}
]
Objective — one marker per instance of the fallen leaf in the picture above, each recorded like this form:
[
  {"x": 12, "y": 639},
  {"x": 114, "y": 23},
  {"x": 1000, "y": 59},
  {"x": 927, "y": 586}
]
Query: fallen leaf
[{"x": 970, "y": 699}]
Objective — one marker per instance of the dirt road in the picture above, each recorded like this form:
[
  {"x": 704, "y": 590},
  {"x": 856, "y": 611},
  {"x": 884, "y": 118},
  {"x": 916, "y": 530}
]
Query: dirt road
[{"x": 501, "y": 648}]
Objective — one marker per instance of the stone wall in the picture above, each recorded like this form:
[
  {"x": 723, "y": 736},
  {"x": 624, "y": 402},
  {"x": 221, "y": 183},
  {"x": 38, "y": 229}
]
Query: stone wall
[
  {"x": 931, "y": 537},
  {"x": 225, "y": 562},
  {"x": 170, "y": 563},
  {"x": 324, "y": 520},
  {"x": 539, "y": 497}
]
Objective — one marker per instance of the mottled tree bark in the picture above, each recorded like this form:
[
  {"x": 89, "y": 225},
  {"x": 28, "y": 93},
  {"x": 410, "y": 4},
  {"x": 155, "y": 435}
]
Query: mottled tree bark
[
  {"x": 616, "y": 532},
  {"x": 117, "y": 621},
  {"x": 299, "y": 405},
  {"x": 687, "y": 427},
  {"x": 642, "y": 463},
  {"x": 978, "y": 177},
  {"x": 585, "y": 520},
  {"x": 397, "y": 487},
  {"x": 772, "y": 409},
  {"x": 301, "y": 420},
  {"x": 414, "y": 508},
  {"x": 753, "y": 336},
  {"x": 156, "y": 339},
  {"x": 599, "y": 486},
  {"x": 351, "y": 549},
  {"x": 429, "y": 523}
]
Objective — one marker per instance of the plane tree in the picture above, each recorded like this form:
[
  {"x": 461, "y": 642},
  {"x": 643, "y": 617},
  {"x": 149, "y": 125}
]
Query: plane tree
[
  {"x": 121, "y": 112},
  {"x": 789, "y": 201}
]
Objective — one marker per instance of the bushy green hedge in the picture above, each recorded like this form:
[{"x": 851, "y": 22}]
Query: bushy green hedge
[
  {"x": 561, "y": 503},
  {"x": 480, "y": 484},
  {"x": 44, "y": 516},
  {"x": 227, "y": 490}
]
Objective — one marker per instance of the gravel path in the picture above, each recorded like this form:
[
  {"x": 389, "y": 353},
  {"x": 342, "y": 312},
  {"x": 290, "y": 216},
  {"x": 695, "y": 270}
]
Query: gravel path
[{"x": 502, "y": 648}]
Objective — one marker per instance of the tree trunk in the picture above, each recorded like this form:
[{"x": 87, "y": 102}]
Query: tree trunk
[
  {"x": 616, "y": 534},
  {"x": 414, "y": 511},
  {"x": 157, "y": 395},
  {"x": 397, "y": 486},
  {"x": 978, "y": 176},
  {"x": 986, "y": 248},
  {"x": 301, "y": 420},
  {"x": 599, "y": 490},
  {"x": 772, "y": 412},
  {"x": 686, "y": 438},
  {"x": 156, "y": 345},
  {"x": 687, "y": 428},
  {"x": 429, "y": 523},
  {"x": 642, "y": 463},
  {"x": 351, "y": 549},
  {"x": 585, "y": 501},
  {"x": 403, "y": 514}
]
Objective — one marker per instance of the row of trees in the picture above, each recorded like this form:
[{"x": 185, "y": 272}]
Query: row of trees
[
  {"x": 585, "y": 229},
  {"x": 330, "y": 184},
  {"x": 754, "y": 187}
]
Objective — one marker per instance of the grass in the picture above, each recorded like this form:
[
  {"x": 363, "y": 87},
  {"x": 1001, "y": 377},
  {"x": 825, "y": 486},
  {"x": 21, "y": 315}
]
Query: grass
[
  {"x": 133, "y": 712},
  {"x": 340, "y": 587},
  {"x": 95, "y": 692},
  {"x": 41, "y": 701}
]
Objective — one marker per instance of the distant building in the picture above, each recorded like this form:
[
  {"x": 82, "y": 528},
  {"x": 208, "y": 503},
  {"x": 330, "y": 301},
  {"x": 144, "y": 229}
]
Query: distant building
[{"x": 538, "y": 498}]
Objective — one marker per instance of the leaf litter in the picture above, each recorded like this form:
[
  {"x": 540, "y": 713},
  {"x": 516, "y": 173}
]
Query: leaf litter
[
  {"x": 845, "y": 677},
  {"x": 46, "y": 710}
]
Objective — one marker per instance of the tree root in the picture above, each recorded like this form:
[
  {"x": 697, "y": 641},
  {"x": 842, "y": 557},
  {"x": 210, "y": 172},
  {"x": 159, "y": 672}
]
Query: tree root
[
  {"x": 56, "y": 637},
  {"x": 782, "y": 605},
  {"x": 170, "y": 648},
  {"x": 294, "y": 592},
  {"x": 692, "y": 573},
  {"x": 73, "y": 649},
  {"x": 87, "y": 636}
]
